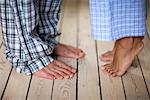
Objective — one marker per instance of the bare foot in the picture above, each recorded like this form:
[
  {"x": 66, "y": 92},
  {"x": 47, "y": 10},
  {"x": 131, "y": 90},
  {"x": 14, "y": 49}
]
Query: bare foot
[
  {"x": 108, "y": 56},
  {"x": 126, "y": 51},
  {"x": 68, "y": 51},
  {"x": 56, "y": 70}
]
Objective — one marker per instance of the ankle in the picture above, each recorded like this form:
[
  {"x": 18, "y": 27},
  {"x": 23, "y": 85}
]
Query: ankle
[{"x": 126, "y": 43}]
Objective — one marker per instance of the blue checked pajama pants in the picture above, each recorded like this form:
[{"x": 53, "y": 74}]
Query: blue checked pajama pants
[{"x": 116, "y": 19}]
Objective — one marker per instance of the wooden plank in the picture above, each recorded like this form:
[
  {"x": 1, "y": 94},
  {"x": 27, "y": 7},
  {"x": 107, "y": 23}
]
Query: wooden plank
[
  {"x": 66, "y": 89},
  {"x": 40, "y": 89},
  {"x": 88, "y": 79},
  {"x": 134, "y": 84},
  {"x": 5, "y": 67},
  {"x": 1, "y": 36},
  {"x": 112, "y": 88},
  {"x": 148, "y": 22},
  {"x": 144, "y": 58},
  {"x": 148, "y": 17},
  {"x": 17, "y": 87}
]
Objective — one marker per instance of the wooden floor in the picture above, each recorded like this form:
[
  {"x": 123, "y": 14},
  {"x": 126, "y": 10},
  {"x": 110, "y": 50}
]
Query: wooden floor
[{"x": 89, "y": 83}]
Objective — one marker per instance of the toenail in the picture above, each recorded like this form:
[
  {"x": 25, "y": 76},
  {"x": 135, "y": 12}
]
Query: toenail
[
  {"x": 102, "y": 68},
  {"x": 67, "y": 77},
  {"x": 71, "y": 75},
  {"x": 61, "y": 77}
]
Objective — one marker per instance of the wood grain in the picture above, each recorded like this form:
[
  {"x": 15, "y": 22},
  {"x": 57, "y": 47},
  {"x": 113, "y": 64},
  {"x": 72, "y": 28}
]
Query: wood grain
[
  {"x": 17, "y": 87},
  {"x": 5, "y": 67},
  {"x": 40, "y": 89},
  {"x": 88, "y": 79},
  {"x": 144, "y": 58},
  {"x": 134, "y": 84}
]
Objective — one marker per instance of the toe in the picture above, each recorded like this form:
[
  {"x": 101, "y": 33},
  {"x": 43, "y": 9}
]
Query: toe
[
  {"x": 44, "y": 74},
  {"x": 63, "y": 75},
  {"x": 81, "y": 54},
  {"x": 73, "y": 55},
  {"x": 108, "y": 53},
  {"x": 66, "y": 74},
  {"x": 106, "y": 57},
  {"x": 76, "y": 52},
  {"x": 64, "y": 66},
  {"x": 106, "y": 66},
  {"x": 107, "y": 69},
  {"x": 52, "y": 72},
  {"x": 120, "y": 73},
  {"x": 103, "y": 67},
  {"x": 114, "y": 75}
]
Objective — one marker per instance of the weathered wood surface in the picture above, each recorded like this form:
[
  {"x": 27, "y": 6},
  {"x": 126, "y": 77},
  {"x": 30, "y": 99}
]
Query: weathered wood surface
[{"x": 89, "y": 83}]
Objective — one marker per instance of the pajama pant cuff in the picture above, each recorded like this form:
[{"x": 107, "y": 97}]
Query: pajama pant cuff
[{"x": 37, "y": 64}]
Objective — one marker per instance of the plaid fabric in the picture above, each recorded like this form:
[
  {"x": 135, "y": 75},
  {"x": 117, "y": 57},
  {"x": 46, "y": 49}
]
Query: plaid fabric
[
  {"x": 115, "y": 19},
  {"x": 29, "y": 29}
]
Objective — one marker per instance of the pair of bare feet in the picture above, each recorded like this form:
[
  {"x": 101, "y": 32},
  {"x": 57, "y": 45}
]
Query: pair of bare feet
[
  {"x": 58, "y": 69},
  {"x": 122, "y": 56}
]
